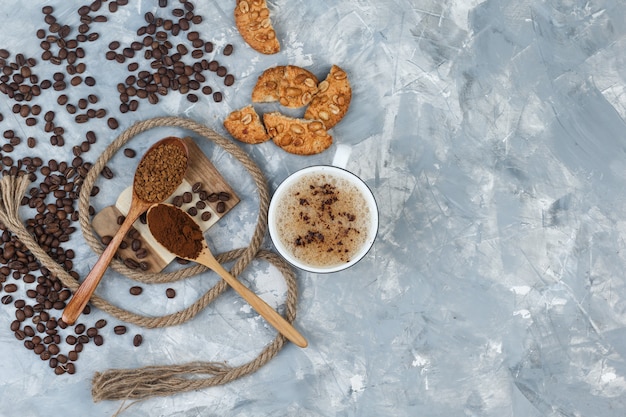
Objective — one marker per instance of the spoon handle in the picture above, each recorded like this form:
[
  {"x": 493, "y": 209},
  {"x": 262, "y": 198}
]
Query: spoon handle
[
  {"x": 207, "y": 259},
  {"x": 82, "y": 295}
]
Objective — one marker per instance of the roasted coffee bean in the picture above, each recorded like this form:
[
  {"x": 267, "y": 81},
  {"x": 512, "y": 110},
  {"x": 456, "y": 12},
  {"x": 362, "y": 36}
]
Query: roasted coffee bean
[
  {"x": 206, "y": 216},
  {"x": 131, "y": 263},
  {"x": 136, "y": 290},
  {"x": 137, "y": 340},
  {"x": 217, "y": 97},
  {"x": 107, "y": 172},
  {"x": 91, "y": 137},
  {"x": 221, "y": 207},
  {"x": 170, "y": 293},
  {"x": 112, "y": 123},
  {"x": 178, "y": 201},
  {"x": 130, "y": 153},
  {"x": 7, "y": 299},
  {"x": 119, "y": 330},
  {"x": 192, "y": 211},
  {"x": 10, "y": 287},
  {"x": 200, "y": 205},
  {"x": 101, "y": 323},
  {"x": 79, "y": 328},
  {"x": 98, "y": 340},
  {"x": 228, "y": 50},
  {"x": 229, "y": 80},
  {"x": 192, "y": 98}
]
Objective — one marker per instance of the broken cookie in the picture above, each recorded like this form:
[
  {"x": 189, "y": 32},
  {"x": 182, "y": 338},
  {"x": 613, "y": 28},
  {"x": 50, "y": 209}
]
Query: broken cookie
[
  {"x": 297, "y": 136},
  {"x": 245, "y": 126},
  {"x": 252, "y": 18},
  {"x": 332, "y": 100},
  {"x": 290, "y": 85}
]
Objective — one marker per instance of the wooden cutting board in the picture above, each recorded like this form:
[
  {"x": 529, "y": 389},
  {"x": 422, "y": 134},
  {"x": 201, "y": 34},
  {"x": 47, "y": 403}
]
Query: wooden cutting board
[{"x": 201, "y": 170}]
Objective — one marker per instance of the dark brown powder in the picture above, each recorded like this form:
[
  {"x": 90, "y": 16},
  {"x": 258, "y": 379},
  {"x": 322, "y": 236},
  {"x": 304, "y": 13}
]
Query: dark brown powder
[
  {"x": 175, "y": 230},
  {"x": 159, "y": 173}
]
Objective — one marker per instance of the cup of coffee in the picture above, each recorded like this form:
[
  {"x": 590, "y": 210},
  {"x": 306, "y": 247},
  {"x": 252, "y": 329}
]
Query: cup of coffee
[{"x": 323, "y": 219}]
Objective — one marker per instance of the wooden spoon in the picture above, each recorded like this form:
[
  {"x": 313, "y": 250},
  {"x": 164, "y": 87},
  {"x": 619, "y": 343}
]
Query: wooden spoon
[
  {"x": 138, "y": 206},
  {"x": 177, "y": 232}
]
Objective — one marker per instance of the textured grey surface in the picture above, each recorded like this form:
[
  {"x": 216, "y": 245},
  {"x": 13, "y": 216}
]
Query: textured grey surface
[{"x": 492, "y": 134}]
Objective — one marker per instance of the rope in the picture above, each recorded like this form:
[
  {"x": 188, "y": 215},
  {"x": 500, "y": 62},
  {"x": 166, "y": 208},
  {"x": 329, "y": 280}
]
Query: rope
[{"x": 169, "y": 379}]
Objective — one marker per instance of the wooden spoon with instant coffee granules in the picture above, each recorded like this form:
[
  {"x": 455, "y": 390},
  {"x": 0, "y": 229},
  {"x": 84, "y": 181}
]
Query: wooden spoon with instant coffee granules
[
  {"x": 177, "y": 232},
  {"x": 159, "y": 173}
]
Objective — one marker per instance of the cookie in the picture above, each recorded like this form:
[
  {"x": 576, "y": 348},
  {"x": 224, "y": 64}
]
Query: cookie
[
  {"x": 252, "y": 18},
  {"x": 332, "y": 100},
  {"x": 245, "y": 126},
  {"x": 297, "y": 136},
  {"x": 266, "y": 88},
  {"x": 290, "y": 85}
]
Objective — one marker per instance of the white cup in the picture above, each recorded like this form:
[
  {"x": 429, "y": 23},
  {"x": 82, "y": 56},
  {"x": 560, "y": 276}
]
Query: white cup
[{"x": 307, "y": 235}]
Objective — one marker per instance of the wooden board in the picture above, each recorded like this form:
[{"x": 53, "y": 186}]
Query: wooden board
[{"x": 105, "y": 223}]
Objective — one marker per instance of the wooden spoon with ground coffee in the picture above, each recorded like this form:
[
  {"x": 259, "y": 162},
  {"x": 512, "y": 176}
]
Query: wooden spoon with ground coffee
[
  {"x": 158, "y": 175},
  {"x": 177, "y": 232}
]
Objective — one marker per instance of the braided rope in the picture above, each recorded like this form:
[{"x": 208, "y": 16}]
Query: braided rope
[{"x": 170, "y": 379}]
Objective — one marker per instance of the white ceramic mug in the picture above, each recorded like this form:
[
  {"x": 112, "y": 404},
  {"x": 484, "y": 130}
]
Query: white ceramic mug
[{"x": 323, "y": 219}]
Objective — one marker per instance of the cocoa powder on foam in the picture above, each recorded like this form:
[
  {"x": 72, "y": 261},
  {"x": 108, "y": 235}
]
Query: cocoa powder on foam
[{"x": 323, "y": 220}]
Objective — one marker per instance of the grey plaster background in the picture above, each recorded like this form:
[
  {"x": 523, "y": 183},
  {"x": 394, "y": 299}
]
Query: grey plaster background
[{"x": 492, "y": 133}]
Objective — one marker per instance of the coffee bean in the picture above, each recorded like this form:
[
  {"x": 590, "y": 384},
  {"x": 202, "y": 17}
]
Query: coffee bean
[
  {"x": 228, "y": 50},
  {"x": 192, "y": 98},
  {"x": 10, "y": 287},
  {"x": 136, "y": 290},
  {"x": 192, "y": 211},
  {"x": 107, "y": 172},
  {"x": 119, "y": 330},
  {"x": 206, "y": 216},
  {"x": 130, "y": 153},
  {"x": 217, "y": 97},
  {"x": 137, "y": 340},
  {"x": 170, "y": 293},
  {"x": 221, "y": 207},
  {"x": 7, "y": 299},
  {"x": 112, "y": 123},
  {"x": 229, "y": 80},
  {"x": 101, "y": 323}
]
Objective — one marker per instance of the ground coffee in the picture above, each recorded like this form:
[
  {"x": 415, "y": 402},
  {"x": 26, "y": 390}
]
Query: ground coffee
[
  {"x": 160, "y": 172},
  {"x": 175, "y": 230}
]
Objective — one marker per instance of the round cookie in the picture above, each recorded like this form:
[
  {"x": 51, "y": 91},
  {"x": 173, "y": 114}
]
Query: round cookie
[
  {"x": 332, "y": 100},
  {"x": 290, "y": 85},
  {"x": 297, "y": 136},
  {"x": 245, "y": 126},
  {"x": 252, "y": 18}
]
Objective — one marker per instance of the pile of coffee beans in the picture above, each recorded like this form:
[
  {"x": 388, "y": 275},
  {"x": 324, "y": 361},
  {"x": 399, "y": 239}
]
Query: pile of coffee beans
[
  {"x": 168, "y": 66},
  {"x": 167, "y": 55}
]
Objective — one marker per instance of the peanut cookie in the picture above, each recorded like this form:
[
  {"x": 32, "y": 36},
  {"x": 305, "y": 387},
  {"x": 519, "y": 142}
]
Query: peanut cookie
[
  {"x": 297, "y": 136},
  {"x": 332, "y": 100},
  {"x": 245, "y": 126},
  {"x": 252, "y": 18},
  {"x": 290, "y": 85}
]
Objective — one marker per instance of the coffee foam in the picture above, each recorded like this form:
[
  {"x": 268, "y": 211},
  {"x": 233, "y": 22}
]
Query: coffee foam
[{"x": 323, "y": 220}]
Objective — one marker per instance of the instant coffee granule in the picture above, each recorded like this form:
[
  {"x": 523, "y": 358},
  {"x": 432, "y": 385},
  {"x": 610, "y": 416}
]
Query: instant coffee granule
[
  {"x": 175, "y": 230},
  {"x": 160, "y": 172}
]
